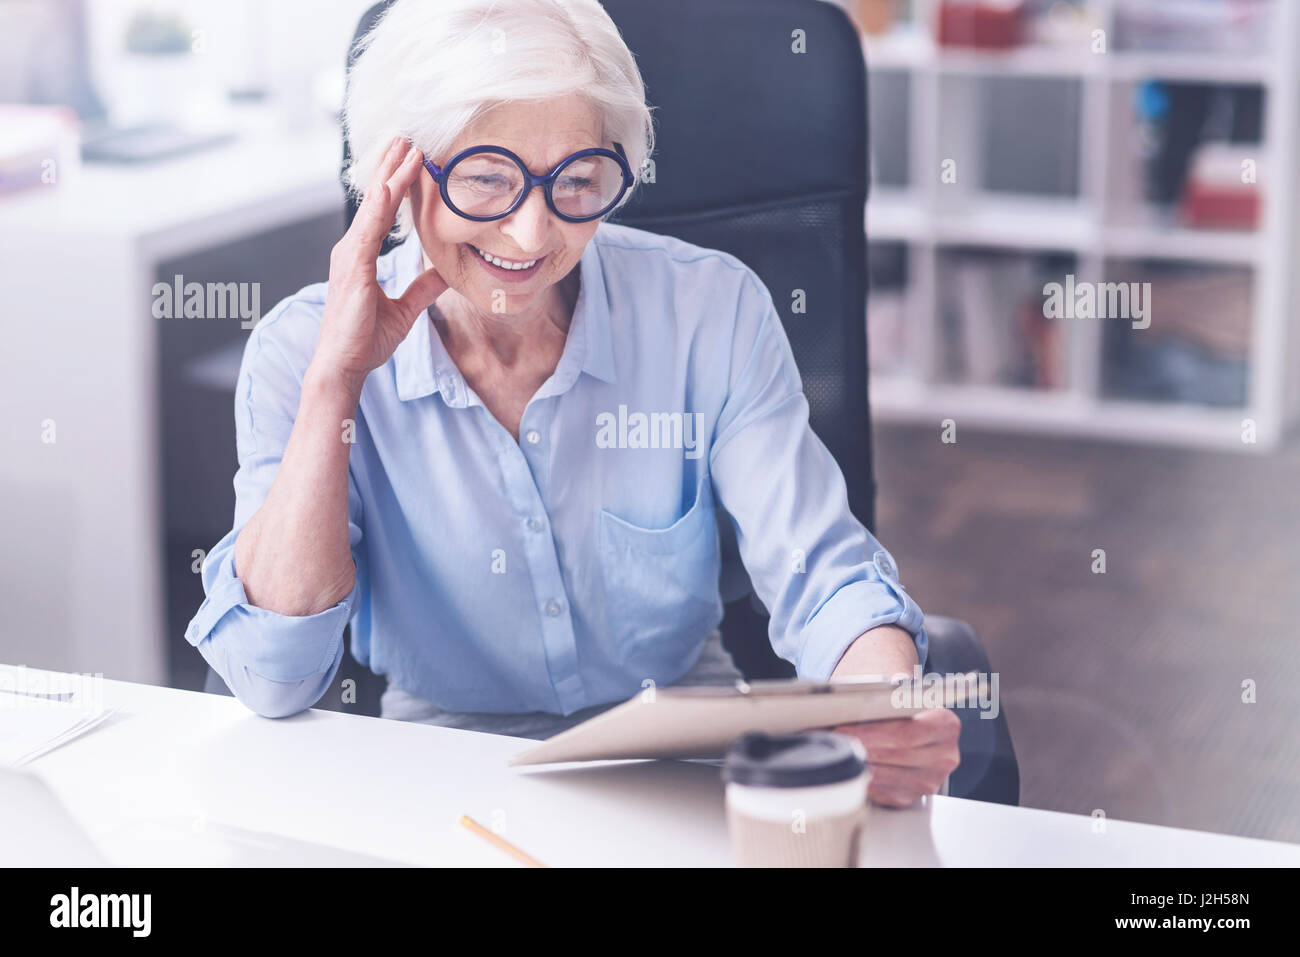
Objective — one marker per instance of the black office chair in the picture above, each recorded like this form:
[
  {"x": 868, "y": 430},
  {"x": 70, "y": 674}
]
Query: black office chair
[{"x": 762, "y": 152}]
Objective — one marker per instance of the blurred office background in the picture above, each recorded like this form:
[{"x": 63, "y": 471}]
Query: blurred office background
[{"x": 1014, "y": 144}]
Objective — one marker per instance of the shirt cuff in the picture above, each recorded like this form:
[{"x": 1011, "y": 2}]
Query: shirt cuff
[
  {"x": 855, "y": 608},
  {"x": 281, "y": 648}
]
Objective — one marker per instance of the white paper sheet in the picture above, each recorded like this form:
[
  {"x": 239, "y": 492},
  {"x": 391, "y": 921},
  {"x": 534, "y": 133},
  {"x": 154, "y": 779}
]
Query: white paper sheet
[{"x": 31, "y": 727}]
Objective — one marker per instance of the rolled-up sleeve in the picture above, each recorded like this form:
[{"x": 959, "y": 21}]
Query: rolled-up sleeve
[
  {"x": 822, "y": 576},
  {"x": 275, "y": 664}
]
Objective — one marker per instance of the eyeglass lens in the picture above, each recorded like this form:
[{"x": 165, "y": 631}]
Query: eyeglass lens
[{"x": 487, "y": 184}]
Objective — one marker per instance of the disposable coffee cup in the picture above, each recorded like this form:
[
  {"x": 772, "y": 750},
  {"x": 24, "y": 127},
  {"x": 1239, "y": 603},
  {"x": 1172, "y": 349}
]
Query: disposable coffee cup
[{"x": 796, "y": 800}]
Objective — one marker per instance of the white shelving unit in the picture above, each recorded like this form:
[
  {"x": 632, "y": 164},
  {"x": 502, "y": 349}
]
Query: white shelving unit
[{"x": 1103, "y": 223}]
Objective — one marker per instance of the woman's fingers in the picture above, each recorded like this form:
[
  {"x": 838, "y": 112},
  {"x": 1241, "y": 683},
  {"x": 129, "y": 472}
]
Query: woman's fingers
[
  {"x": 932, "y": 726},
  {"x": 401, "y": 313},
  {"x": 920, "y": 780},
  {"x": 939, "y": 755},
  {"x": 909, "y": 757},
  {"x": 901, "y": 787},
  {"x": 892, "y": 798},
  {"x": 393, "y": 178},
  {"x": 426, "y": 288},
  {"x": 404, "y": 175},
  {"x": 373, "y": 196}
]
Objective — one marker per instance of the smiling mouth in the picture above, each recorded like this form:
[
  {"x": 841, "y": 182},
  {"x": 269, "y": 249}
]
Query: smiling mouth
[{"x": 511, "y": 264}]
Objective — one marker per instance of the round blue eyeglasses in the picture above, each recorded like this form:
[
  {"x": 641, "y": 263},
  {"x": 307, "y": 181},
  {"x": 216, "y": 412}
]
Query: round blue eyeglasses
[{"x": 484, "y": 183}]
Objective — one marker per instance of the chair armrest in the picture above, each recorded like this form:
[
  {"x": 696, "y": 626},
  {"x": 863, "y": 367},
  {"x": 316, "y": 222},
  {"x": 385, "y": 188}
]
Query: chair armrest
[{"x": 988, "y": 770}]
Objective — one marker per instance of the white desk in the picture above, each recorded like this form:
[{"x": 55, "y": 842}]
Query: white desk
[{"x": 396, "y": 790}]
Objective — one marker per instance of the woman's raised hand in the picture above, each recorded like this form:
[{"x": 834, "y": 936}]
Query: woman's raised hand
[{"x": 361, "y": 326}]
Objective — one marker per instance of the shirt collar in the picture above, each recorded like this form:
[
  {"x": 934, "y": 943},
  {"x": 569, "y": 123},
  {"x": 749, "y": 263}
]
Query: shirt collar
[{"x": 423, "y": 365}]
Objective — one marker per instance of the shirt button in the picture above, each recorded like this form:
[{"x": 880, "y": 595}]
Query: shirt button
[
  {"x": 533, "y": 436},
  {"x": 448, "y": 386},
  {"x": 552, "y": 608},
  {"x": 886, "y": 565},
  {"x": 534, "y": 524}
]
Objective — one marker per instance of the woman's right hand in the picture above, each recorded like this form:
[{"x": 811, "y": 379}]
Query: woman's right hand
[{"x": 361, "y": 327}]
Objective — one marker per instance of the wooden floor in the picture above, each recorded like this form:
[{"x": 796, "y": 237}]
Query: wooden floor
[{"x": 1123, "y": 690}]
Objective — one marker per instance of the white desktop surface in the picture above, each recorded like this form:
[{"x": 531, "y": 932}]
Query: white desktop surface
[
  {"x": 396, "y": 790},
  {"x": 265, "y": 173}
]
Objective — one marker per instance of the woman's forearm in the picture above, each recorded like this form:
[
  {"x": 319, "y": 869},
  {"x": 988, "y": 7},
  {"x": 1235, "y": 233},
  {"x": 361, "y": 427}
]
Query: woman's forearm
[
  {"x": 884, "y": 651},
  {"x": 293, "y": 556}
]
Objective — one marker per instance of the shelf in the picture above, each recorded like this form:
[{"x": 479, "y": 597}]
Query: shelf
[
  {"x": 906, "y": 399},
  {"x": 1190, "y": 68},
  {"x": 896, "y": 399},
  {"x": 895, "y": 214},
  {"x": 913, "y": 49},
  {"x": 907, "y": 48},
  {"x": 1026, "y": 61},
  {"x": 1044, "y": 225},
  {"x": 1150, "y": 241},
  {"x": 1104, "y": 226},
  {"x": 1018, "y": 222}
]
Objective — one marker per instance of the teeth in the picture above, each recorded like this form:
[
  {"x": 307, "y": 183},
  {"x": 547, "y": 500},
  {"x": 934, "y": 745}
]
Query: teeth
[{"x": 504, "y": 263}]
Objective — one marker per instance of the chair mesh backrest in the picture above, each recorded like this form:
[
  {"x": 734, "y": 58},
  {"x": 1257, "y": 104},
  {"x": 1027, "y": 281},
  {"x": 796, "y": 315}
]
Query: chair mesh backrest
[
  {"x": 762, "y": 152},
  {"x": 803, "y": 245}
]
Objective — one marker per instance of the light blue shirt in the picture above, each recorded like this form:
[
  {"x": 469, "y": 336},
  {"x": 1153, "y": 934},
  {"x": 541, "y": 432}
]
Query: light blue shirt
[{"x": 562, "y": 570}]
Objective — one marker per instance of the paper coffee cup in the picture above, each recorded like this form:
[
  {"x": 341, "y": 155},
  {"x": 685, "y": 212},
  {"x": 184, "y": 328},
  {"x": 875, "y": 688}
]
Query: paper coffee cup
[{"x": 796, "y": 800}]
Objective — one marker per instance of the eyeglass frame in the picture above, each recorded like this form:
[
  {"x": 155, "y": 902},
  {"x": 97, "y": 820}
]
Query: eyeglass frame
[{"x": 547, "y": 180}]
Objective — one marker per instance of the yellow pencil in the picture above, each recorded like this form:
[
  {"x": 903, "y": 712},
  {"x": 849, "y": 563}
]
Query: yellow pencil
[{"x": 470, "y": 824}]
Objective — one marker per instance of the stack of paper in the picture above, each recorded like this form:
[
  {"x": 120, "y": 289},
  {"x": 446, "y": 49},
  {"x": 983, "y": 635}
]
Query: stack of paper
[{"x": 33, "y": 723}]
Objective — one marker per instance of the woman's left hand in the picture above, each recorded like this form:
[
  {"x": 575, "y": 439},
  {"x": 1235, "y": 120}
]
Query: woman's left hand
[{"x": 909, "y": 757}]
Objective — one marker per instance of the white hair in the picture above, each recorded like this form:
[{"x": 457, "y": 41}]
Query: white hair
[{"x": 430, "y": 68}]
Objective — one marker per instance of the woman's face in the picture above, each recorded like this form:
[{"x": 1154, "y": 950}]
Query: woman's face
[{"x": 541, "y": 134}]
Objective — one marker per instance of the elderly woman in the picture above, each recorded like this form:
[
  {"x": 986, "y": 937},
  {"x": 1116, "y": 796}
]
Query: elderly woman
[{"x": 498, "y": 450}]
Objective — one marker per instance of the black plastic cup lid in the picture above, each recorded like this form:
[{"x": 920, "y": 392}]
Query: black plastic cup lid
[{"x": 801, "y": 760}]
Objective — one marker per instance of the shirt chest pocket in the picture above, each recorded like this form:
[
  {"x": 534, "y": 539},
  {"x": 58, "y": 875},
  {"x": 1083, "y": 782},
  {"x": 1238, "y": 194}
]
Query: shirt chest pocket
[{"x": 661, "y": 584}]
